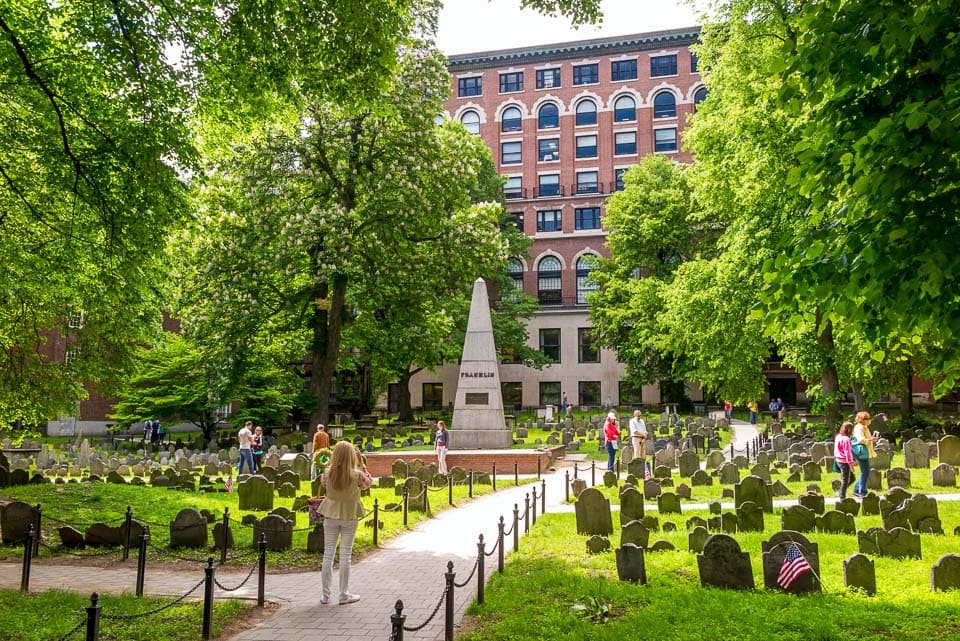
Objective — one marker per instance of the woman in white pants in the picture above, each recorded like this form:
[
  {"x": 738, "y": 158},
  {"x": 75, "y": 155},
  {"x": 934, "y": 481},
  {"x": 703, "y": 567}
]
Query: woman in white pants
[
  {"x": 342, "y": 510},
  {"x": 440, "y": 445}
]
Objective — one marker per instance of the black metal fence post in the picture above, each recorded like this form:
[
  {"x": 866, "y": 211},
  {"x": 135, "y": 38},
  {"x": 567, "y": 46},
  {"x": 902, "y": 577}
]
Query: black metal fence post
[
  {"x": 526, "y": 513},
  {"x": 481, "y": 553},
  {"x": 142, "y": 559},
  {"x": 37, "y": 532},
  {"x": 593, "y": 473},
  {"x": 27, "y": 557},
  {"x": 534, "y": 505},
  {"x": 516, "y": 473},
  {"x": 543, "y": 497},
  {"x": 576, "y": 470},
  {"x": 493, "y": 477},
  {"x": 450, "y": 489},
  {"x": 731, "y": 450},
  {"x": 262, "y": 570},
  {"x": 450, "y": 575},
  {"x": 566, "y": 485},
  {"x": 376, "y": 521},
  {"x": 226, "y": 528},
  {"x": 500, "y": 530},
  {"x": 538, "y": 467},
  {"x": 128, "y": 524},
  {"x": 516, "y": 527},
  {"x": 470, "y": 484},
  {"x": 93, "y": 617},
  {"x": 406, "y": 504},
  {"x": 397, "y": 620},
  {"x": 208, "y": 598}
]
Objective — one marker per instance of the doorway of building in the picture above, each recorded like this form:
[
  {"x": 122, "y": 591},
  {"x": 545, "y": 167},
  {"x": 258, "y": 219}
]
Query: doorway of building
[{"x": 785, "y": 388}]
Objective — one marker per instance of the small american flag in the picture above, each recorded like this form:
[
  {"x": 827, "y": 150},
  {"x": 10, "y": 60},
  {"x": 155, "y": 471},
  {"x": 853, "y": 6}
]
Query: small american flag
[
  {"x": 793, "y": 566},
  {"x": 646, "y": 472}
]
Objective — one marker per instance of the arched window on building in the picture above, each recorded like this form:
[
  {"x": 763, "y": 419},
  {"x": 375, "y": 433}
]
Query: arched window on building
[
  {"x": 665, "y": 105},
  {"x": 585, "y": 284},
  {"x": 625, "y": 109},
  {"x": 549, "y": 290},
  {"x": 699, "y": 96},
  {"x": 586, "y": 112},
  {"x": 511, "y": 119},
  {"x": 471, "y": 120},
  {"x": 515, "y": 267},
  {"x": 548, "y": 117}
]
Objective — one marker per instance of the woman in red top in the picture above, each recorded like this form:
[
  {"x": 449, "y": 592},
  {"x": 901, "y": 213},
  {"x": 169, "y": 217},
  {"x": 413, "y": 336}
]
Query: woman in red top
[
  {"x": 843, "y": 457},
  {"x": 611, "y": 437}
]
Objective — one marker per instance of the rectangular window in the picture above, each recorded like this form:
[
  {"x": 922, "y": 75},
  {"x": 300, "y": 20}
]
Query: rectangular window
[
  {"x": 585, "y": 74},
  {"x": 663, "y": 66},
  {"x": 694, "y": 63},
  {"x": 548, "y": 149},
  {"x": 75, "y": 320},
  {"x": 587, "y": 146},
  {"x": 665, "y": 139},
  {"x": 550, "y": 393},
  {"x": 512, "y": 395},
  {"x": 514, "y": 187},
  {"x": 625, "y": 143},
  {"x": 550, "y": 343},
  {"x": 511, "y": 153},
  {"x": 587, "y": 218},
  {"x": 585, "y": 349},
  {"x": 432, "y": 396},
  {"x": 549, "y": 220},
  {"x": 619, "y": 177},
  {"x": 549, "y": 185},
  {"x": 470, "y": 86},
  {"x": 548, "y": 78},
  {"x": 587, "y": 182},
  {"x": 589, "y": 392},
  {"x": 510, "y": 82},
  {"x": 630, "y": 393},
  {"x": 624, "y": 70}
]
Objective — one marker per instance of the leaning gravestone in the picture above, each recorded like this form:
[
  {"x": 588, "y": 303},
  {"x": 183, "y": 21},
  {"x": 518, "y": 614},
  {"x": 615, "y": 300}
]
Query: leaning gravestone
[
  {"x": 255, "y": 493},
  {"x": 696, "y": 537},
  {"x": 631, "y": 505},
  {"x": 102, "y": 534},
  {"x": 898, "y": 477},
  {"x": 278, "y": 530},
  {"x": 728, "y": 474},
  {"x": 798, "y": 519},
  {"x": 944, "y": 475},
  {"x": 593, "y": 513},
  {"x": 774, "y": 553},
  {"x": 836, "y": 522},
  {"x": 577, "y": 486},
  {"x": 916, "y": 454},
  {"x": 635, "y": 533},
  {"x": 722, "y": 564},
  {"x": 701, "y": 478},
  {"x": 749, "y": 517},
  {"x": 188, "y": 529},
  {"x": 859, "y": 572},
  {"x": 949, "y": 450},
  {"x": 753, "y": 489},
  {"x": 16, "y": 519},
  {"x": 688, "y": 463},
  {"x": 945, "y": 573},
  {"x": 897, "y": 543},
  {"x": 630, "y": 564}
]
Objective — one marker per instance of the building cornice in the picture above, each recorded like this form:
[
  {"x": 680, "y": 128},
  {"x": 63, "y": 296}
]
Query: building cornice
[{"x": 573, "y": 50}]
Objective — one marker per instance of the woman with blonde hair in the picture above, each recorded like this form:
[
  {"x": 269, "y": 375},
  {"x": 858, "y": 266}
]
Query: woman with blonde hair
[
  {"x": 342, "y": 510},
  {"x": 440, "y": 445},
  {"x": 862, "y": 436}
]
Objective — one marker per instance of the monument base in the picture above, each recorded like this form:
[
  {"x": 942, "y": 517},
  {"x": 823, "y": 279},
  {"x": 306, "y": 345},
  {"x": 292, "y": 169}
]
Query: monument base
[{"x": 480, "y": 439}]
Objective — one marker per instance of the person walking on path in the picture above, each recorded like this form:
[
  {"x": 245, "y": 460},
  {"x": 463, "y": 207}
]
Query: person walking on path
[
  {"x": 321, "y": 440},
  {"x": 843, "y": 457},
  {"x": 245, "y": 439},
  {"x": 611, "y": 437},
  {"x": 638, "y": 434},
  {"x": 753, "y": 409},
  {"x": 863, "y": 436},
  {"x": 341, "y": 510},
  {"x": 440, "y": 445}
]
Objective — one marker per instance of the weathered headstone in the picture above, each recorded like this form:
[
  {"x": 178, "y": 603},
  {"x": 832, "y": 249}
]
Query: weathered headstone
[
  {"x": 631, "y": 505},
  {"x": 722, "y": 564},
  {"x": 749, "y": 517},
  {"x": 255, "y": 493},
  {"x": 593, "y": 513},
  {"x": 945, "y": 573},
  {"x": 630, "y": 564},
  {"x": 836, "y": 522},
  {"x": 859, "y": 572},
  {"x": 898, "y": 477},
  {"x": 798, "y": 519},
  {"x": 696, "y": 537},
  {"x": 278, "y": 530},
  {"x": 754, "y": 489},
  {"x": 188, "y": 529},
  {"x": 775, "y": 551},
  {"x": 916, "y": 454},
  {"x": 668, "y": 503},
  {"x": 636, "y": 533},
  {"x": 944, "y": 475},
  {"x": 948, "y": 449},
  {"x": 16, "y": 518},
  {"x": 813, "y": 501}
]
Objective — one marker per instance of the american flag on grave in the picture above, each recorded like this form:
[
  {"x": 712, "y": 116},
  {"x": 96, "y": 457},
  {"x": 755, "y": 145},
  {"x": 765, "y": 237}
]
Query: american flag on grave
[{"x": 794, "y": 566}]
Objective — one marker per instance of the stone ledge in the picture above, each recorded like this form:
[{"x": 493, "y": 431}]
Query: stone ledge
[{"x": 381, "y": 463}]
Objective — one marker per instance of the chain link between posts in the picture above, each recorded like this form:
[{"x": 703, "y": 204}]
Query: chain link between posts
[
  {"x": 417, "y": 628},
  {"x": 127, "y": 617}
]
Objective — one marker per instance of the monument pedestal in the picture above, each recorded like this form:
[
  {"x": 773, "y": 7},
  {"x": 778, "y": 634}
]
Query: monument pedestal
[{"x": 480, "y": 439}]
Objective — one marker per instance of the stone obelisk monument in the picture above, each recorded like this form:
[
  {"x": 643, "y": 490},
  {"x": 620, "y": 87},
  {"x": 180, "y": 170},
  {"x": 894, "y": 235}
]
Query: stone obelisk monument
[{"x": 478, "y": 409}]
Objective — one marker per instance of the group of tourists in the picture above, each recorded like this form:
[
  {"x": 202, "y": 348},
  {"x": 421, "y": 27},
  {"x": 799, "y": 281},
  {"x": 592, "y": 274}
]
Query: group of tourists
[
  {"x": 250, "y": 441},
  {"x": 611, "y": 436},
  {"x": 854, "y": 445}
]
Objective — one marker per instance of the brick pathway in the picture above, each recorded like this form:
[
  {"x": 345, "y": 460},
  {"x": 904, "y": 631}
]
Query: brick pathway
[{"x": 409, "y": 567}]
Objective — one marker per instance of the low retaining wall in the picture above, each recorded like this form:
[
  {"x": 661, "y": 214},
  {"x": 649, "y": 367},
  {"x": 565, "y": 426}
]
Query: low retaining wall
[{"x": 381, "y": 463}]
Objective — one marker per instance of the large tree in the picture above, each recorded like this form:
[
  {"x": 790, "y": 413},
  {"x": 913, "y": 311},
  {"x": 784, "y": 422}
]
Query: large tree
[{"x": 333, "y": 211}]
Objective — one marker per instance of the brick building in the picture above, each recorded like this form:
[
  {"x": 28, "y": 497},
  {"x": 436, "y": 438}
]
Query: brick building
[{"x": 564, "y": 121}]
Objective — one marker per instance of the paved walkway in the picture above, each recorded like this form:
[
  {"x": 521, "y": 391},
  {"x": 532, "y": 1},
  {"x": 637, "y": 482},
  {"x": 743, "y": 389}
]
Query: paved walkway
[{"x": 409, "y": 567}]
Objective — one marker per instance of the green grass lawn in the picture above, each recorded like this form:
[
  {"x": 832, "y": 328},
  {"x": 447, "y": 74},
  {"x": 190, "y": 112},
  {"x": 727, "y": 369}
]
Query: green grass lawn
[
  {"x": 86, "y": 503},
  {"x": 535, "y": 597},
  {"x": 50, "y": 615}
]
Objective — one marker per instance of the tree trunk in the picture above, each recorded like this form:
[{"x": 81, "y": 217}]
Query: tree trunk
[
  {"x": 406, "y": 410},
  {"x": 906, "y": 395},
  {"x": 325, "y": 352},
  {"x": 859, "y": 401},
  {"x": 829, "y": 381}
]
